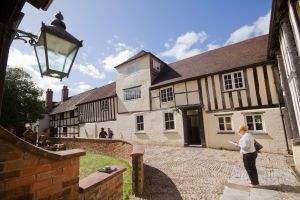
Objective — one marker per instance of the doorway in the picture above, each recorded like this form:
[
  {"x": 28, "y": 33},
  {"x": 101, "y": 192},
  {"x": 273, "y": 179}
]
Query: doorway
[{"x": 193, "y": 127}]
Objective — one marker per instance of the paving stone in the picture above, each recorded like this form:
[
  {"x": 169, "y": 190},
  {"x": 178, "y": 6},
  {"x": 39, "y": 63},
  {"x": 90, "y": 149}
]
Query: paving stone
[{"x": 202, "y": 173}]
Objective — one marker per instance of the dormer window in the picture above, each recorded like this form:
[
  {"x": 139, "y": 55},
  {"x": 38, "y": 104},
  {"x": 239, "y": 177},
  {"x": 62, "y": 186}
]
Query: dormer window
[{"x": 156, "y": 67}]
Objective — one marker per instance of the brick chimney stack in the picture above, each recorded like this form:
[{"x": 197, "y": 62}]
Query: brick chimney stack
[
  {"x": 49, "y": 98},
  {"x": 64, "y": 93}
]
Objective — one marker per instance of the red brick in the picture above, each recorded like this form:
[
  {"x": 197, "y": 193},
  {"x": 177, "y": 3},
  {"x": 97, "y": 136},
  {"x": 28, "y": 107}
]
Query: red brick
[
  {"x": 10, "y": 156},
  {"x": 20, "y": 182},
  {"x": 36, "y": 170},
  {"x": 42, "y": 184},
  {"x": 9, "y": 175}
]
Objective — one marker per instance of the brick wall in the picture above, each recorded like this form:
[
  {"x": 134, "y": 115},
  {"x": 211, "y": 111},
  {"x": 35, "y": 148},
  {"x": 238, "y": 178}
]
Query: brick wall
[
  {"x": 29, "y": 172},
  {"x": 126, "y": 150},
  {"x": 102, "y": 185}
]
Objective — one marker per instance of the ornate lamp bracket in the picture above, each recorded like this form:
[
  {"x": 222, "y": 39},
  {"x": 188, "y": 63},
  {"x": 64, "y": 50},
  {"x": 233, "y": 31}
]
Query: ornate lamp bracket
[{"x": 26, "y": 37}]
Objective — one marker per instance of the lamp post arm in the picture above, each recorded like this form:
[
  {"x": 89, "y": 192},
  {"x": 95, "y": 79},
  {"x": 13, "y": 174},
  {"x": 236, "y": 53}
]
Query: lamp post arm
[{"x": 26, "y": 37}]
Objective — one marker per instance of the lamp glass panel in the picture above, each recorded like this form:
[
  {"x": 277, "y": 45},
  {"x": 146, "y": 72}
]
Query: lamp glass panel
[
  {"x": 40, "y": 53},
  {"x": 69, "y": 60},
  {"x": 59, "y": 50}
]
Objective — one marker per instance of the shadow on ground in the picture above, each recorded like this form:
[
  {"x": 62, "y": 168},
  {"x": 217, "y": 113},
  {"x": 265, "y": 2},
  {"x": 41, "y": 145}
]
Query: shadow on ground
[
  {"x": 159, "y": 186},
  {"x": 281, "y": 188}
]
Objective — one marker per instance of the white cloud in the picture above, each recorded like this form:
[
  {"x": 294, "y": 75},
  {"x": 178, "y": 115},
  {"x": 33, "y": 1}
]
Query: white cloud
[
  {"x": 109, "y": 82},
  {"x": 212, "y": 46},
  {"x": 29, "y": 63},
  {"x": 82, "y": 87},
  {"x": 182, "y": 47},
  {"x": 90, "y": 70},
  {"x": 259, "y": 27},
  {"x": 122, "y": 53}
]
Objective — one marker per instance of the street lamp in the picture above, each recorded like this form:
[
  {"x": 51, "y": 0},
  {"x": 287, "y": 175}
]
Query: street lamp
[{"x": 55, "y": 48}]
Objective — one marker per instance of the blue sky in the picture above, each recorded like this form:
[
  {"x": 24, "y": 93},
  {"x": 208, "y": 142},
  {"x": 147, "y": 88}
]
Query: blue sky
[{"x": 114, "y": 30}]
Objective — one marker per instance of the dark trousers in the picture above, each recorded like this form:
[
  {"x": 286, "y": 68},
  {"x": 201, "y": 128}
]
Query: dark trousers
[{"x": 249, "y": 160}]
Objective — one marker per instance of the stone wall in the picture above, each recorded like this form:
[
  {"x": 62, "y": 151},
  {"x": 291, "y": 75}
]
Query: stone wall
[
  {"x": 102, "y": 185},
  {"x": 126, "y": 150},
  {"x": 29, "y": 172}
]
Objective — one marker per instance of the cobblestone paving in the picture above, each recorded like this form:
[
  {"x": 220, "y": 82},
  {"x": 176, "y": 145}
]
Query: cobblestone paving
[{"x": 195, "y": 173}]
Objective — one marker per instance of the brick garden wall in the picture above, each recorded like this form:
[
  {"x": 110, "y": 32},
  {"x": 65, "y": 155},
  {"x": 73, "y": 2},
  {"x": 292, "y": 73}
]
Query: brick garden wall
[
  {"x": 126, "y": 150},
  {"x": 102, "y": 186},
  {"x": 29, "y": 172}
]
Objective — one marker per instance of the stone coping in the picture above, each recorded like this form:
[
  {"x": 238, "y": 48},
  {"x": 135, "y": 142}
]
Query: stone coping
[
  {"x": 22, "y": 144},
  {"x": 137, "y": 149},
  {"x": 93, "y": 180}
]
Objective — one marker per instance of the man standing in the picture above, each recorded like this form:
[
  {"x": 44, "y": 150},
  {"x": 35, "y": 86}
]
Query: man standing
[{"x": 103, "y": 133}]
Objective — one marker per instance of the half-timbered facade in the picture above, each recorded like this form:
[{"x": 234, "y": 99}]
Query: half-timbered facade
[
  {"x": 200, "y": 100},
  {"x": 97, "y": 111},
  {"x": 284, "y": 46}
]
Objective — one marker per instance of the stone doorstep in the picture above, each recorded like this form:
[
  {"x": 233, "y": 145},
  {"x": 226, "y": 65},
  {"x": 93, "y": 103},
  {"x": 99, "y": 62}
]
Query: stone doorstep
[
  {"x": 237, "y": 188},
  {"x": 97, "y": 178}
]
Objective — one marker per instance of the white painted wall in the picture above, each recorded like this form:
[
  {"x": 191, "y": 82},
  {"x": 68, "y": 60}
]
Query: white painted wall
[
  {"x": 92, "y": 130},
  {"x": 154, "y": 128},
  {"x": 273, "y": 140},
  {"x": 133, "y": 74}
]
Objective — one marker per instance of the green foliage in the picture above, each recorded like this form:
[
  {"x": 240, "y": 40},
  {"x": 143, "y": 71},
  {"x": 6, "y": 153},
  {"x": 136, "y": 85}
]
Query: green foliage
[
  {"x": 21, "y": 99},
  {"x": 91, "y": 162}
]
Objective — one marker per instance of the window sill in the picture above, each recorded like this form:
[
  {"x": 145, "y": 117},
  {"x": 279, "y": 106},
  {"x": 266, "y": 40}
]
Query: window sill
[
  {"x": 233, "y": 90},
  {"x": 226, "y": 132},
  {"x": 140, "y": 132},
  {"x": 170, "y": 131}
]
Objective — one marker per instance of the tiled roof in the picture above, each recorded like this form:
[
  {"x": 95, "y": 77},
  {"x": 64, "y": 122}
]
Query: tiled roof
[
  {"x": 245, "y": 53},
  {"x": 85, "y": 97},
  {"x": 101, "y": 92},
  {"x": 71, "y": 103}
]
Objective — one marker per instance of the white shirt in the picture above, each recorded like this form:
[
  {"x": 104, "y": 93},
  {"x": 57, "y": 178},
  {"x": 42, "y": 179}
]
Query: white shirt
[{"x": 246, "y": 143}]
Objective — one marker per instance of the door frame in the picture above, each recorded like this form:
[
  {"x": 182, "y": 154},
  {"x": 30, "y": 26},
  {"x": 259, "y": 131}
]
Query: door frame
[{"x": 185, "y": 125}]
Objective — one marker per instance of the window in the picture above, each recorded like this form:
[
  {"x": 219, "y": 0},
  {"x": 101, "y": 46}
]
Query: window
[
  {"x": 233, "y": 81},
  {"x": 132, "y": 93},
  {"x": 225, "y": 123},
  {"x": 140, "y": 123},
  {"x": 61, "y": 115},
  {"x": 254, "y": 122},
  {"x": 169, "y": 121},
  {"x": 72, "y": 113},
  {"x": 104, "y": 105},
  {"x": 166, "y": 94}
]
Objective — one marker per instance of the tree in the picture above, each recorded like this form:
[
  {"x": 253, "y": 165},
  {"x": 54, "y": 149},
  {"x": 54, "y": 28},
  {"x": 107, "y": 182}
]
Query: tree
[{"x": 21, "y": 100}]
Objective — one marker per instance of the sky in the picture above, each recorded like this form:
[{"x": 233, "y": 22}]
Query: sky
[{"x": 114, "y": 30}]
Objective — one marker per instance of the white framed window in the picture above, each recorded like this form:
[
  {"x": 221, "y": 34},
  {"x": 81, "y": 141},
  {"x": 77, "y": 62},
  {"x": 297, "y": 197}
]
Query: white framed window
[
  {"x": 104, "y": 105},
  {"x": 166, "y": 94},
  {"x": 132, "y": 93},
  {"x": 140, "y": 123},
  {"x": 233, "y": 81},
  {"x": 225, "y": 123},
  {"x": 255, "y": 122},
  {"x": 169, "y": 121}
]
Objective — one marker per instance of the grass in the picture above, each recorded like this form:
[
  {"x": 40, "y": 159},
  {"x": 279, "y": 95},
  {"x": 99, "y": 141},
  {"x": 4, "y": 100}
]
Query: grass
[{"x": 91, "y": 162}]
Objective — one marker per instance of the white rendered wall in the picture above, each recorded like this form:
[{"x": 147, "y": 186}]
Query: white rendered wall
[
  {"x": 154, "y": 128},
  {"x": 92, "y": 130},
  {"x": 273, "y": 140}
]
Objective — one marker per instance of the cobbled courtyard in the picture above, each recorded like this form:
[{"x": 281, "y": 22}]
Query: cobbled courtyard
[{"x": 200, "y": 173}]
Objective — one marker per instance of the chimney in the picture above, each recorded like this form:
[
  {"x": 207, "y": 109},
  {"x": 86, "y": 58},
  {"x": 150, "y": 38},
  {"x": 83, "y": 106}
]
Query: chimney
[
  {"x": 49, "y": 98},
  {"x": 64, "y": 93}
]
